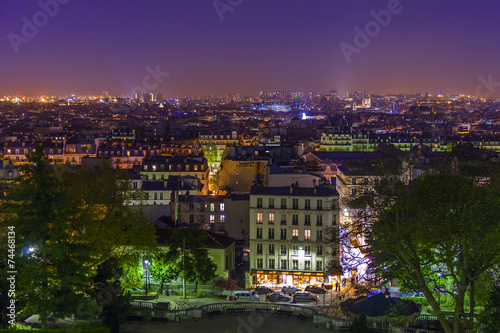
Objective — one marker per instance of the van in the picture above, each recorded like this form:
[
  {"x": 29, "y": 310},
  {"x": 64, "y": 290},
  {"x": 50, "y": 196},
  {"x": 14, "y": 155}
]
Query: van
[{"x": 246, "y": 295}]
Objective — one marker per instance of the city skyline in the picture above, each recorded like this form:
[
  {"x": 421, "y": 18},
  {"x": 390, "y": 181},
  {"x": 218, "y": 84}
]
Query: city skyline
[{"x": 198, "y": 48}]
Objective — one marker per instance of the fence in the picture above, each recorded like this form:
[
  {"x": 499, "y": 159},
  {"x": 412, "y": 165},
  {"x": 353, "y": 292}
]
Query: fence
[{"x": 149, "y": 311}]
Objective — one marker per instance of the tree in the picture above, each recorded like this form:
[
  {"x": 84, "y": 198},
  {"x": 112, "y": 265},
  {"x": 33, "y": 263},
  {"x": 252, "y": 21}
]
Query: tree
[
  {"x": 443, "y": 228},
  {"x": 162, "y": 270},
  {"x": 51, "y": 247},
  {"x": 186, "y": 252},
  {"x": 225, "y": 284},
  {"x": 67, "y": 223},
  {"x": 490, "y": 317},
  {"x": 203, "y": 269}
]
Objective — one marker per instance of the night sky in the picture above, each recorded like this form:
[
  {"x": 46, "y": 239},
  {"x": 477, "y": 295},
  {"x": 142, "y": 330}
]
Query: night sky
[{"x": 91, "y": 46}]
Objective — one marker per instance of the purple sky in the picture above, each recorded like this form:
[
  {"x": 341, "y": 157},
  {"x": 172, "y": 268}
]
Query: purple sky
[{"x": 97, "y": 45}]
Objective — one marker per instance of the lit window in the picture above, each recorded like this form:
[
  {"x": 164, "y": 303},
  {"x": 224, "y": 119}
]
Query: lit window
[
  {"x": 153, "y": 167},
  {"x": 212, "y": 218},
  {"x": 145, "y": 168},
  {"x": 295, "y": 264},
  {"x": 259, "y": 217},
  {"x": 307, "y": 234},
  {"x": 222, "y": 218},
  {"x": 295, "y": 233},
  {"x": 212, "y": 207},
  {"x": 221, "y": 207},
  {"x": 271, "y": 218}
]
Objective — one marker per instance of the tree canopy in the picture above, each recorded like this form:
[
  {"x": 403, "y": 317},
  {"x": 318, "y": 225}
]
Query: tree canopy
[
  {"x": 67, "y": 223},
  {"x": 443, "y": 229}
]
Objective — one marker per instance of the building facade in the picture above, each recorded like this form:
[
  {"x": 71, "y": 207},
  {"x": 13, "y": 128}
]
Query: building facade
[{"x": 289, "y": 236}]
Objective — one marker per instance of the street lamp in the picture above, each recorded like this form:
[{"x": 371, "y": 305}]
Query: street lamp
[{"x": 147, "y": 275}]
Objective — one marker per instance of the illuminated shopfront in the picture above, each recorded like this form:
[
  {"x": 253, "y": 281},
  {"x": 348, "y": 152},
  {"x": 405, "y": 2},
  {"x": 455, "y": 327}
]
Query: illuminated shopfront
[{"x": 281, "y": 278}]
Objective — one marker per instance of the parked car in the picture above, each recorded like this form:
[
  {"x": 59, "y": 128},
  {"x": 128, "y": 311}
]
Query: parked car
[
  {"x": 304, "y": 296},
  {"x": 245, "y": 295},
  {"x": 277, "y": 297},
  {"x": 263, "y": 290},
  {"x": 315, "y": 290},
  {"x": 289, "y": 290}
]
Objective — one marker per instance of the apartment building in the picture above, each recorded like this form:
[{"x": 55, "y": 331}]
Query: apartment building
[{"x": 289, "y": 235}]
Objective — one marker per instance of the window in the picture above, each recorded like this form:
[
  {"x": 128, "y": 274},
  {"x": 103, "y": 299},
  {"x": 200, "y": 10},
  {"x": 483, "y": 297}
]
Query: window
[
  {"x": 283, "y": 203},
  {"x": 271, "y": 249},
  {"x": 221, "y": 207},
  {"x": 271, "y": 264},
  {"x": 307, "y": 250},
  {"x": 212, "y": 207},
  {"x": 307, "y": 204},
  {"x": 259, "y": 217},
  {"x": 271, "y": 234},
  {"x": 319, "y": 220},
  {"x": 212, "y": 218},
  {"x": 319, "y": 250},
  {"x": 271, "y": 203},
  {"x": 295, "y": 204},
  {"x": 295, "y": 249},
  {"x": 319, "y": 204},
  {"x": 307, "y": 234},
  {"x": 153, "y": 167},
  {"x": 295, "y": 234},
  {"x": 283, "y": 219},
  {"x": 170, "y": 167},
  {"x": 156, "y": 196},
  {"x": 307, "y": 220},
  {"x": 259, "y": 233},
  {"x": 283, "y": 264},
  {"x": 202, "y": 218},
  {"x": 259, "y": 248},
  {"x": 154, "y": 177},
  {"x": 319, "y": 235},
  {"x": 259, "y": 202},
  {"x": 145, "y": 168},
  {"x": 271, "y": 218},
  {"x": 319, "y": 265},
  {"x": 307, "y": 265},
  {"x": 283, "y": 250},
  {"x": 196, "y": 167},
  {"x": 191, "y": 206},
  {"x": 295, "y": 264},
  {"x": 222, "y": 218},
  {"x": 283, "y": 234},
  {"x": 161, "y": 195},
  {"x": 135, "y": 185},
  {"x": 295, "y": 219},
  {"x": 260, "y": 263},
  {"x": 191, "y": 218},
  {"x": 202, "y": 207},
  {"x": 179, "y": 167},
  {"x": 187, "y": 167}
]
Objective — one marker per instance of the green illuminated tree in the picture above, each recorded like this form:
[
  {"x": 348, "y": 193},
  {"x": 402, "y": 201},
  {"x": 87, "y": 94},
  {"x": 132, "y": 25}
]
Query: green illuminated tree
[{"x": 443, "y": 228}]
